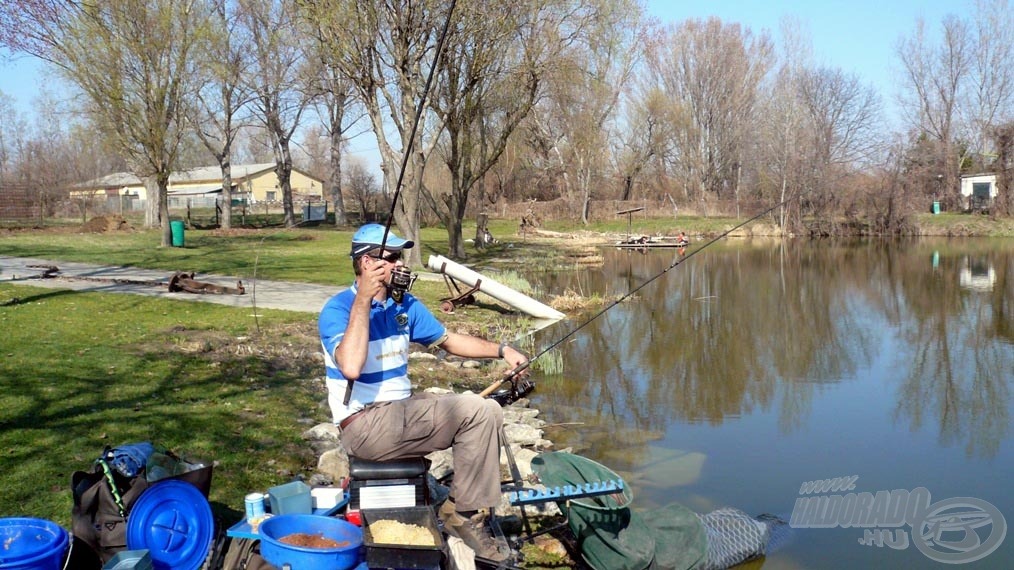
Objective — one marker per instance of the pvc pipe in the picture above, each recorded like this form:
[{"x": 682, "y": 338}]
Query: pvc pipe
[{"x": 500, "y": 292}]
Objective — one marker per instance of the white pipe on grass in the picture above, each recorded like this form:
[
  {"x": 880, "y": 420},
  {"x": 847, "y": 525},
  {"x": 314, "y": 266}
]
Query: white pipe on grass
[{"x": 500, "y": 292}]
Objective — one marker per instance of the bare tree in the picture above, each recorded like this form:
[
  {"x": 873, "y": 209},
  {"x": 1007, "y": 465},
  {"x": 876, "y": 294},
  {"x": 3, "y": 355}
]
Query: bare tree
[
  {"x": 990, "y": 95},
  {"x": 133, "y": 61},
  {"x": 646, "y": 137},
  {"x": 386, "y": 48},
  {"x": 278, "y": 83},
  {"x": 712, "y": 72},
  {"x": 362, "y": 188},
  {"x": 222, "y": 93},
  {"x": 842, "y": 120},
  {"x": 492, "y": 67},
  {"x": 11, "y": 130},
  {"x": 336, "y": 95},
  {"x": 595, "y": 49},
  {"x": 782, "y": 127},
  {"x": 1004, "y": 170},
  {"x": 934, "y": 77}
]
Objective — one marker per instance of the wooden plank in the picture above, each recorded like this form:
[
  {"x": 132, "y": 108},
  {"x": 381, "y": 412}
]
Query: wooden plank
[{"x": 630, "y": 211}]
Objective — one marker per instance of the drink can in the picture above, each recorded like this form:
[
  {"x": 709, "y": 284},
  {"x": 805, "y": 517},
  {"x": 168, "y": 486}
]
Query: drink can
[{"x": 254, "y": 506}]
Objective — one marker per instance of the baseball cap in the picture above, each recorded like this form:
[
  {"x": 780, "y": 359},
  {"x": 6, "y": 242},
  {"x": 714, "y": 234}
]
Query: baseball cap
[{"x": 369, "y": 237}]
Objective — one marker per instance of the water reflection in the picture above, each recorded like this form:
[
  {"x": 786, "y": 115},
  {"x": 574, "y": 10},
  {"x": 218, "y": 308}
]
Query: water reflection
[
  {"x": 978, "y": 274},
  {"x": 749, "y": 328}
]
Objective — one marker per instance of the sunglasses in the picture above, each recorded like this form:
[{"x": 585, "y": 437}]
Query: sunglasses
[{"x": 390, "y": 257}]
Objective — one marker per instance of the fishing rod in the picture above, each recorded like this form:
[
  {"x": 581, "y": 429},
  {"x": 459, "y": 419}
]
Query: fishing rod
[
  {"x": 521, "y": 386},
  {"x": 401, "y": 277}
]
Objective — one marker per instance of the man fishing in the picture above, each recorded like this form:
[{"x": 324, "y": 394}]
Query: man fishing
[{"x": 365, "y": 332}]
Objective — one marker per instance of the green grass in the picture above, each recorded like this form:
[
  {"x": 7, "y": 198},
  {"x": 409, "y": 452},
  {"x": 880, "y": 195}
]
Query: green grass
[
  {"x": 649, "y": 226},
  {"x": 80, "y": 371}
]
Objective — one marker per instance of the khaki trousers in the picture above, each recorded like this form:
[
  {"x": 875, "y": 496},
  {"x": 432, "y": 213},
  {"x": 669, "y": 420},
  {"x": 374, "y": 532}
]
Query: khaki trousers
[{"x": 425, "y": 423}]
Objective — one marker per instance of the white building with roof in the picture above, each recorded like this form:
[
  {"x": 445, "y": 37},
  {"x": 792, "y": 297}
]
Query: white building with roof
[{"x": 254, "y": 183}]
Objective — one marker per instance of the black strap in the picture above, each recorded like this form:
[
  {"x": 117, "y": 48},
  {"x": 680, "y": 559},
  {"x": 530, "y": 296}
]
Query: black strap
[{"x": 348, "y": 392}]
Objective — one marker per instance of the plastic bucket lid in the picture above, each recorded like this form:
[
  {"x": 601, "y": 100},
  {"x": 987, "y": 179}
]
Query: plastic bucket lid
[
  {"x": 173, "y": 521},
  {"x": 31, "y": 543}
]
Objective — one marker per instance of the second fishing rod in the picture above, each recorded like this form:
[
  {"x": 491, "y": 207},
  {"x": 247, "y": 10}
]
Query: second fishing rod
[{"x": 521, "y": 385}]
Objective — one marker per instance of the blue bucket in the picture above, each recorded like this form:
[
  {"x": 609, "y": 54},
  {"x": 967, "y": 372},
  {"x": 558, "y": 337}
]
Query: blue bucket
[
  {"x": 278, "y": 553},
  {"x": 32, "y": 544}
]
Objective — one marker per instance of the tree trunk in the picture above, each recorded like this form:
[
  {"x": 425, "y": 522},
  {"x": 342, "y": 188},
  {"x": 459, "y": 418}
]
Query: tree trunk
[
  {"x": 406, "y": 211},
  {"x": 1003, "y": 206},
  {"x": 151, "y": 209},
  {"x": 284, "y": 171},
  {"x": 482, "y": 235},
  {"x": 225, "y": 221},
  {"x": 163, "y": 208},
  {"x": 335, "y": 180},
  {"x": 456, "y": 203}
]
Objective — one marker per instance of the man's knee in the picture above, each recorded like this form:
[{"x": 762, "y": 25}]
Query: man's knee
[
  {"x": 484, "y": 408},
  {"x": 493, "y": 410}
]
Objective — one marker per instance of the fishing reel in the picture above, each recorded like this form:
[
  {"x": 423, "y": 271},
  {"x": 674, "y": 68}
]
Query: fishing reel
[
  {"x": 519, "y": 388},
  {"x": 402, "y": 280}
]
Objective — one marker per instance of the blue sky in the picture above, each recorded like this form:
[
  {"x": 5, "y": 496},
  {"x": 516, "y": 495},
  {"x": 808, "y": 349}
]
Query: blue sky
[{"x": 857, "y": 36}]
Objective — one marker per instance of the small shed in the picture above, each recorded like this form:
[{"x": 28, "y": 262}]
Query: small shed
[{"x": 978, "y": 190}]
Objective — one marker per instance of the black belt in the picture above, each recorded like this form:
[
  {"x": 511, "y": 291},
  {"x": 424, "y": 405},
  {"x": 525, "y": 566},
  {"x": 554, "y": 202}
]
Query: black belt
[{"x": 349, "y": 419}]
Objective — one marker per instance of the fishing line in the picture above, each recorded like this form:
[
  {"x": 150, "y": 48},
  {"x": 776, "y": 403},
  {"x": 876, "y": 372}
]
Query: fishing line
[
  {"x": 510, "y": 376},
  {"x": 404, "y": 159},
  {"x": 401, "y": 277}
]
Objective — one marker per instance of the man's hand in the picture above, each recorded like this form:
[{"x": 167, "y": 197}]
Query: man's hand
[
  {"x": 514, "y": 358},
  {"x": 373, "y": 278}
]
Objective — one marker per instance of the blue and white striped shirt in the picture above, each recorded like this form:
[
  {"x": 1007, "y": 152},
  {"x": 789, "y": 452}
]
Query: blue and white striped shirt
[{"x": 385, "y": 374}]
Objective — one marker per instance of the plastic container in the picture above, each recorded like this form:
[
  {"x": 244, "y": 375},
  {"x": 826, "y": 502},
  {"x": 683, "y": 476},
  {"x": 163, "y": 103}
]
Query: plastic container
[
  {"x": 32, "y": 544},
  {"x": 403, "y": 556},
  {"x": 177, "y": 229},
  {"x": 173, "y": 521},
  {"x": 130, "y": 560},
  {"x": 326, "y": 497},
  {"x": 278, "y": 553},
  {"x": 291, "y": 499}
]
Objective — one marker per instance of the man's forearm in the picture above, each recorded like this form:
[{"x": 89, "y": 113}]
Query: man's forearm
[{"x": 350, "y": 354}]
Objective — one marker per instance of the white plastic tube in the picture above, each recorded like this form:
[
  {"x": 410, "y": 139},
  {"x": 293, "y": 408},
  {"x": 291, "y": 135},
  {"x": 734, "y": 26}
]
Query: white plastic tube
[{"x": 500, "y": 292}]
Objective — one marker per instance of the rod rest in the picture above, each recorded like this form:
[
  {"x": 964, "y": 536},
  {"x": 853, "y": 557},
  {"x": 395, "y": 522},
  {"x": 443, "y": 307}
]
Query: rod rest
[
  {"x": 567, "y": 492},
  {"x": 365, "y": 470}
]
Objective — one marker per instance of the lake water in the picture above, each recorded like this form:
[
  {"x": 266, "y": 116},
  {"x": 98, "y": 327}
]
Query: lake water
[{"x": 754, "y": 367}]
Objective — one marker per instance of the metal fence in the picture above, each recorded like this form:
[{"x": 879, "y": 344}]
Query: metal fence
[{"x": 18, "y": 203}]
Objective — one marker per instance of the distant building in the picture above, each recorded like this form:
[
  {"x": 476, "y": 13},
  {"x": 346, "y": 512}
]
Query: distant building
[
  {"x": 978, "y": 190},
  {"x": 253, "y": 183}
]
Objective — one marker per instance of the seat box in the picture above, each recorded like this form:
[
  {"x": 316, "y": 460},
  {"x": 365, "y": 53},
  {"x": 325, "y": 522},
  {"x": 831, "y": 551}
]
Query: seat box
[
  {"x": 387, "y": 493},
  {"x": 403, "y": 556}
]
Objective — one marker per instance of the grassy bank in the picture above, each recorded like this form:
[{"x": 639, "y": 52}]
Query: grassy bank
[{"x": 84, "y": 370}]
